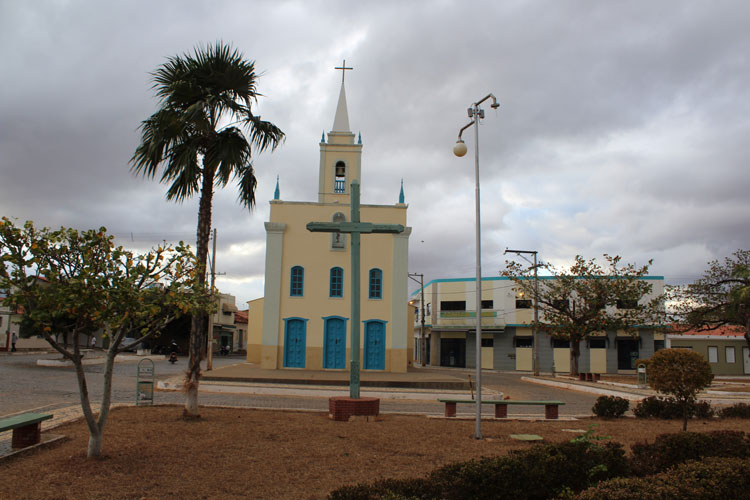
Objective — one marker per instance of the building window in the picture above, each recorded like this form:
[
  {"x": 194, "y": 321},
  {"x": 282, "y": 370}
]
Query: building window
[
  {"x": 627, "y": 304},
  {"x": 428, "y": 312},
  {"x": 523, "y": 304},
  {"x": 452, "y": 305},
  {"x": 487, "y": 304},
  {"x": 713, "y": 354},
  {"x": 336, "y": 288},
  {"x": 524, "y": 342},
  {"x": 376, "y": 284},
  {"x": 561, "y": 304},
  {"x": 338, "y": 240},
  {"x": 488, "y": 342},
  {"x": 597, "y": 343},
  {"x": 297, "y": 282},
  {"x": 340, "y": 181},
  {"x": 729, "y": 352},
  {"x": 560, "y": 344},
  {"x": 658, "y": 345}
]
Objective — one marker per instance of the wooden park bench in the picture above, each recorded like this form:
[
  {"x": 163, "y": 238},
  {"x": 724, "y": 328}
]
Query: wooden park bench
[
  {"x": 501, "y": 406},
  {"x": 27, "y": 428}
]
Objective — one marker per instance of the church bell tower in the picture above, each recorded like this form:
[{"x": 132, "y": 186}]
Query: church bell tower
[{"x": 340, "y": 156}]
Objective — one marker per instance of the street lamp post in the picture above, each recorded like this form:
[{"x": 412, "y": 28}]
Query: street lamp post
[{"x": 476, "y": 113}]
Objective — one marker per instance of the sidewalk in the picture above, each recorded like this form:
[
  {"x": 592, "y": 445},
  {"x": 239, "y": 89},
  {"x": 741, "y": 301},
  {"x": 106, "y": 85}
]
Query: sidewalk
[{"x": 631, "y": 392}]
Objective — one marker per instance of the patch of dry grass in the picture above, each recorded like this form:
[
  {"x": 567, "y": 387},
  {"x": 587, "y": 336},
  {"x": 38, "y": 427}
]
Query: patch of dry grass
[{"x": 150, "y": 452}]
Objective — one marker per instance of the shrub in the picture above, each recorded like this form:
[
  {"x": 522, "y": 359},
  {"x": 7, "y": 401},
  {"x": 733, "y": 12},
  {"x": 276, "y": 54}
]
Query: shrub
[
  {"x": 737, "y": 410},
  {"x": 610, "y": 406},
  {"x": 668, "y": 450},
  {"x": 712, "y": 479},
  {"x": 681, "y": 373},
  {"x": 539, "y": 472},
  {"x": 535, "y": 473},
  {"x": 669, "y": 408}
]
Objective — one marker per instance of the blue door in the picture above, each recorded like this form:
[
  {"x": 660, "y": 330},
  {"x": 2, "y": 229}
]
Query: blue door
[
  {"x": 294, "y": 343},
  {"x": 374, "y": 345},
  {"x": 335, "y": 351}
]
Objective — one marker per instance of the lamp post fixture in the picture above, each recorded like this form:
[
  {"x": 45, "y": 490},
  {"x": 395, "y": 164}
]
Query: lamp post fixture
[{"x": 476, "y": 113}]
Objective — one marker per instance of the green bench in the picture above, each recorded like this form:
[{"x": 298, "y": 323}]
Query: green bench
[
  {"x": 27, "y": 428},
  {"x": 501, "y": 406}
]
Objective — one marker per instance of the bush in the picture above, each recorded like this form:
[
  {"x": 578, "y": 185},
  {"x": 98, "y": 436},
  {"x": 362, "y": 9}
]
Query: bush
[
  {"x": 712, "y": 479},
  {"x": 610, "y": 406},
  {"x": 669, "y": 408},
  {"x": 737, "y": 410},
  {"x": 669, "y": 450},
  {"x": 539, "y": 472}
]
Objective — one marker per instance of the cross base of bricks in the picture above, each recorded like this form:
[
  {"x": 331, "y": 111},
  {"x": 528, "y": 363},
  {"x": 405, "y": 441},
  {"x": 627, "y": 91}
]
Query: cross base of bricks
[{"x": 340, "y": 408}]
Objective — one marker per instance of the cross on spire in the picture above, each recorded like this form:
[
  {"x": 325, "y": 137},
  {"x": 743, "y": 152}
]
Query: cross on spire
[{"x": 343, "y": 69}]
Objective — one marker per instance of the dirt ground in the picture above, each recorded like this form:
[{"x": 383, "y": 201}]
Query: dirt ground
[{"x": 151, "y": 453}]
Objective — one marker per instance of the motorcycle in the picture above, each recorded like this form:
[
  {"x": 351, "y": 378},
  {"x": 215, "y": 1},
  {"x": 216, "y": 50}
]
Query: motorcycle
[
  {"x": 224, "y": 350},
  {"x": 173, "y": 357}
]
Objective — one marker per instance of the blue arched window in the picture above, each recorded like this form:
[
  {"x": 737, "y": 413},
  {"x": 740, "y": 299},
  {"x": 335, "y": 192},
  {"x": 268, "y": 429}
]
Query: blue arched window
[
  {"x": 376, "y": 284},
  {"x": 336, "y": 288},
  {"x": 297, "y": 284}
]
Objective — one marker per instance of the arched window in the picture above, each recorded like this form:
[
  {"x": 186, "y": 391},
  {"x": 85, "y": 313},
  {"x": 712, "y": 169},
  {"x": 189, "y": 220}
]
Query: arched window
[
  {"x": 338, "y": 240},
  {"x": 297, "y": 285},
  {"x": 336, "y": 287},
  {"x": 340, "y": 181},
  {"x": 376, "y": 284}
]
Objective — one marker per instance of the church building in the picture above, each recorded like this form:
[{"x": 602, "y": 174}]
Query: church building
[{"x": 307, "y": 303}]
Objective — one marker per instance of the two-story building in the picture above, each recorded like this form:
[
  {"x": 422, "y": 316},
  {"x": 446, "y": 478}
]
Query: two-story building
[{"x": 507, "y": 336}]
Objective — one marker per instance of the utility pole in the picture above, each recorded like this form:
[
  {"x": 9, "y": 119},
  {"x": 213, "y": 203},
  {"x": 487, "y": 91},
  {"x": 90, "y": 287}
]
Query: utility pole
[
  {"x": 210, "y": 343},
  {"x": 423, "y": 344},
  {"x": 535, "y": 359}
]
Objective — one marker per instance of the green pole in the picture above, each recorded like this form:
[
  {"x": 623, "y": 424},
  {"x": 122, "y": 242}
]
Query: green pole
[{"x": 354, "y": 373}]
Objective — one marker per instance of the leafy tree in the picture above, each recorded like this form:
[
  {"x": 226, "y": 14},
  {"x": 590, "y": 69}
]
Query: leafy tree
[
  {"x": 681, "y": 373},
  {"x": 196, "y": 137},
  {"x": 588, "y": 299},
  {"x": 78, "y": 283},
  {"x": 720, "y": 298}
]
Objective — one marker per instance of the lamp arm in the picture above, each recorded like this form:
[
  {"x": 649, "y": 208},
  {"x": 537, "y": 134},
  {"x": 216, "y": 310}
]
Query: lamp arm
[{"x": 464, "y": 128}]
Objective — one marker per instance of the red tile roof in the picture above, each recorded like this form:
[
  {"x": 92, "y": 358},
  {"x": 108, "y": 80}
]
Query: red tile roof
[
  {"x": 727, "y": 331},
  {"x": 241, "y": 317}
]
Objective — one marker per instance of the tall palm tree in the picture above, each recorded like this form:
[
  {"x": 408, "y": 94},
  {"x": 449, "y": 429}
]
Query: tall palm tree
[{"x": 197, "y": 139}]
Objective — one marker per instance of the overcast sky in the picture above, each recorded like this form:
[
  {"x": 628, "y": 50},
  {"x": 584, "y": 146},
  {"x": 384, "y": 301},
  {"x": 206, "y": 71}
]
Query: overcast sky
[{"x": 624, "y": 127}]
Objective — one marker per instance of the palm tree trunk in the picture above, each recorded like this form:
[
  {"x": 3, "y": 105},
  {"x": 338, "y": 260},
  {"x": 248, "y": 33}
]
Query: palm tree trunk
[
  {"x": 198, "y": 324},
  {"x": 575, "y": 353}
]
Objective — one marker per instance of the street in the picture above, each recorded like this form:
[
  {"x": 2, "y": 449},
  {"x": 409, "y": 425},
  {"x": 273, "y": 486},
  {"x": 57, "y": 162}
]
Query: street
[{"x": 25, "y": 386}]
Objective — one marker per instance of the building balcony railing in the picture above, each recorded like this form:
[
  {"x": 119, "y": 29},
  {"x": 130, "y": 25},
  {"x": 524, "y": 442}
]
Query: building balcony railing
[{"x": 340, "y": 186}]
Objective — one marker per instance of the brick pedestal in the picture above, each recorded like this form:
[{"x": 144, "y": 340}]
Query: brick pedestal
[
  {"x": 501, "y": 411},
  {"x": 550, "y": 411},
  {"x": 26, "y": 436},
  {"x": 340, "y": 408}
]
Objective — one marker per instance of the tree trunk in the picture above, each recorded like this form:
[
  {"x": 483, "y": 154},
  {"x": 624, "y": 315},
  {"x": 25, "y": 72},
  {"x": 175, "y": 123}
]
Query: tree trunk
[
  {"x": 95, "y": 444},
  {"x": 198, "y": 324},
  {"x": 575, "y": 353}
]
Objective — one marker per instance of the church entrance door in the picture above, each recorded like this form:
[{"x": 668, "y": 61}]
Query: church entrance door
[
  {"x": 294, "y": 343},
  {"x": 374, "y": 345},
  {"x": 335, "y": 340}
]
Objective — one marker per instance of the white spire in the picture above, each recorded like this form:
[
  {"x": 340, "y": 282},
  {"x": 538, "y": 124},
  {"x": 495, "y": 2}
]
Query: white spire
[{"x": 341, "y": 121}]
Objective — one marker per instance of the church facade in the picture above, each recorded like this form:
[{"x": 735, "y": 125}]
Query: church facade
[{"x": 307, "y": 297}]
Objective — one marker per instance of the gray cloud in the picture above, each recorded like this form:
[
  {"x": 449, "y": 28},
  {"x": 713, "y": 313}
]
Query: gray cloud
[{"x": 623, "y": 125}]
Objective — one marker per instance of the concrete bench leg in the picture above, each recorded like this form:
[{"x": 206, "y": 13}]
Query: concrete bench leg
[
  {"x": 501, "y": 411},
  {"x": 450, "y": 409},
  {"x": 550, "y": 412},
  {"x": 26, "y": 436}
]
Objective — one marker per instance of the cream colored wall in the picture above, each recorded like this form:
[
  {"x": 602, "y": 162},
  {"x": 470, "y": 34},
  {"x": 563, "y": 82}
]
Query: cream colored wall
[
  {"x": 523, "y": 358},
  {"x": 254, "y": 330},
  {"x": 562, "y": 360},
  {"x": 598, "y": 360},
  {"x": 313, "y": 252},
  {"x": 340, "y": 147}
]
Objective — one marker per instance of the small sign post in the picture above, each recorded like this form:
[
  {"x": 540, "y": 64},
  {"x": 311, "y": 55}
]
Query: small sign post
[
  {"x": 144, "y": 392},
  {"x": 642, "y": 376}
]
